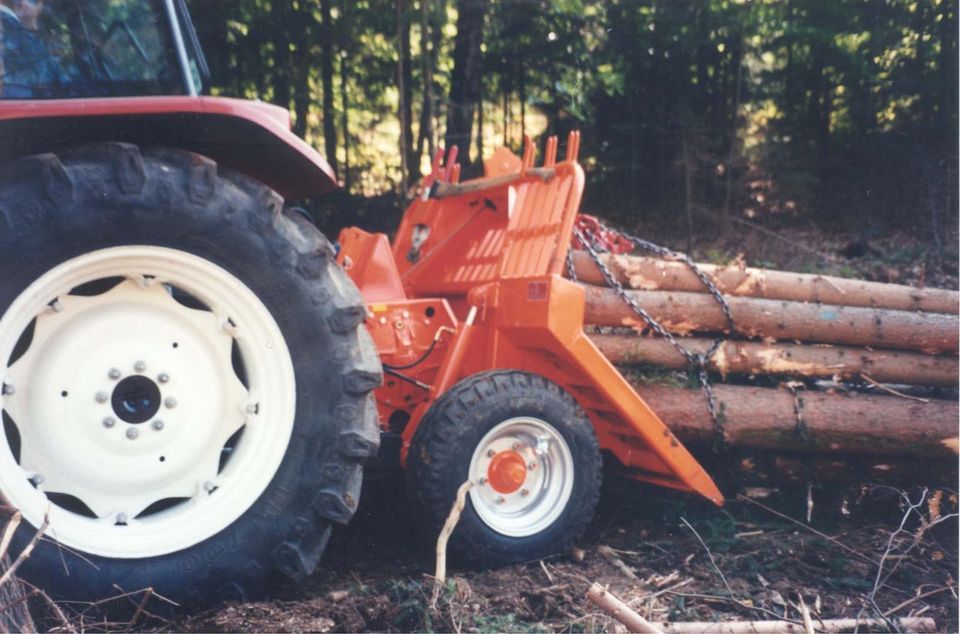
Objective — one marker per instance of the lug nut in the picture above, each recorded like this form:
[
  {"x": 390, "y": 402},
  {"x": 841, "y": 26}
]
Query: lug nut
[
  {"x": 524, "y": 492},
  {"x": 500, "y": 499},
  {"x": 8, "y": 390},
  {"x": 121, "y": 518},
  {"x": 209, "y": 487},
  {"x": 532, "y": 465},
  {"x": 163, "y": 377},
  {"x": 114, "y": 373},
  {"x": 252, "y": 408},
  {"x": 170, "y": 402},
  {"x": 157, "y": 424},
  {"x": 139, "y": 366},
  {"x": 37, "y": 479},
  {"x": 482, "y": 481},
  {"x": 517, "y": 446},
  {"x": 491, "y": 453},
  {"x": 109, "y": 422},
  {"x": 56, "y": 306},
  {"x": 132, "y": 433},
  {"x": 102, "y": 397}
]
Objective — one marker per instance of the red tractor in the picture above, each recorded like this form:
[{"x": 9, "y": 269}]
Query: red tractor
[{"x": 193, "y": 376}]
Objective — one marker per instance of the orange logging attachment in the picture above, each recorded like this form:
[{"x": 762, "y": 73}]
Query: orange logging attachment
[{"x": 487, "y": 257}]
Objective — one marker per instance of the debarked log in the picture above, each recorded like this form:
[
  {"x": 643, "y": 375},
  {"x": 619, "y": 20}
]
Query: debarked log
[
  {"x": 685, "y": 313},
  {"x": 821, "y": 361},
  {"x": 766, "y": 418},
  {"x": 658, "y": 274}
]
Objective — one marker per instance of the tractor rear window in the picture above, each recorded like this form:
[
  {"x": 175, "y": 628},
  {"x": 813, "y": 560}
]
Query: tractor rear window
[{"x": 60, "y": 49}]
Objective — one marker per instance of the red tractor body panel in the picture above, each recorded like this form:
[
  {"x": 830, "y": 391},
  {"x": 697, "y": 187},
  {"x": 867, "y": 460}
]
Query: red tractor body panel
[{"x": 251, "y": 137}]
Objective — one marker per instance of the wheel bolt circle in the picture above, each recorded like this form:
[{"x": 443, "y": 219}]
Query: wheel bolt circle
[
  {"x": 132, "y": 433},
  {"x": 491, "y": 453},
  {"x": 170, "y": 402},
  {"x": 532, "y": 465},
  {"x": 163, "y": 377},
  {"x": 524, "y": 492},
  {"x": 37, "y": 479},
  {"x": 501, "y": 499},
  {"x": 139, "y": 366},
  {"x": 209, "y": 486},
  {"x": 8, "y": 390},
  {"x": 109, "y": 422},
  {"x": 157, "y": 424},
  {"x": 102, "y": 397},
  {"x": 114, "y": 373},
  {"x": 122, "y": 518}
]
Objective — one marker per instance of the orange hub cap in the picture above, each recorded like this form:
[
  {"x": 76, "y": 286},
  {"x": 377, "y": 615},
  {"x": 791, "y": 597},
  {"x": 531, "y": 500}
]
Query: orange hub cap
[{"x": 507, "y": 471}]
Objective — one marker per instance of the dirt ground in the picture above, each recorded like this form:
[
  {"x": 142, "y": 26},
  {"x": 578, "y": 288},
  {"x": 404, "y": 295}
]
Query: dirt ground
[
  {"x": 845, "y": 550},
  {"x": 752, "y": 564}
]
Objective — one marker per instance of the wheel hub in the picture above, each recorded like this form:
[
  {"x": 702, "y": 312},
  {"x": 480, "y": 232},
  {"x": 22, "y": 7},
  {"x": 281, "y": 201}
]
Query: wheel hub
[
  {"x": 136, "y": 399},
  {"x": 507, "y": 471}
]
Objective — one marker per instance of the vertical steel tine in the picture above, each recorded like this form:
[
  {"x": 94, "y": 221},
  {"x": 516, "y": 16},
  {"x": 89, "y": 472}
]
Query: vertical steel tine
[
  {"x": 451, "y": 161},
  {"x": 455, "y": 175},
  {"x": 570, "y": 145},
  {"x": 529, "y": 152},
  {"x": 551, "y": 154}
]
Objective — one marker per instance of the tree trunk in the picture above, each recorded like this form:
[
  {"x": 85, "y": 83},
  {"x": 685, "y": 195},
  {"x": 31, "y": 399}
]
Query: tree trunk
[
  {"x": 302, "y": 95},
  {"x": 785, "y": 359},
  {"x": 765, "y": 418},
  {"x": 685, "y": 313},
  {"x": 281, "y": 54},
  {"x": 426, "y": 132},
  {"x": 465, "y": 81},
  {"x": 403, "y": 40},
  {"x": 327, "y": 53},
  {"x": 345, "y": 100},
  {"x": 658, "y": 274}
]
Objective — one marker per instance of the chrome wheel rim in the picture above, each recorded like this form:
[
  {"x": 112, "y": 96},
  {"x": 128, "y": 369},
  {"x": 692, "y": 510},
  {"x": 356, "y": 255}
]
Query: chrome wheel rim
[{"x": 521, "y": 501}]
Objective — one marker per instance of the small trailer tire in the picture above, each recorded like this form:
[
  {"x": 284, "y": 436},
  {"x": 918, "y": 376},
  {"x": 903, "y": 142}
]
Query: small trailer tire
[{"x": 532, "y": 455}]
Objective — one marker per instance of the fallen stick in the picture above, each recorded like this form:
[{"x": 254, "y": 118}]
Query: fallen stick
[
  {"x": 440, "y": 573},
  {"x": 649, "y": 273},
  {"x": 786, "y": 359},
  {"x": 907, "y": 624},
  {"x": 620, "y": 611},
  {"x": 854, "y": 423},
  {"x": 686, "y": 313}
]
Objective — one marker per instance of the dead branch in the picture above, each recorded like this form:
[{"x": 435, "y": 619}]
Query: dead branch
[
  {"x": 619, "y": 610},
  {"x": 22, "y": 557},
  {"x": 440, "y": 573},
  {"x": 785, "y": 627}
]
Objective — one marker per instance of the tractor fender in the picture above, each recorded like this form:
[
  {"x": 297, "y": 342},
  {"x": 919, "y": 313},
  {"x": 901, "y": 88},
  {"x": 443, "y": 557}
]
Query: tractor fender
[{"x": 251, "y": 137}]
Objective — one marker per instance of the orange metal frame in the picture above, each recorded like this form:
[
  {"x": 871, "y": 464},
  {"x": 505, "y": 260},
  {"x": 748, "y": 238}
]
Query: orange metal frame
[{"x": 473, "y": 282}]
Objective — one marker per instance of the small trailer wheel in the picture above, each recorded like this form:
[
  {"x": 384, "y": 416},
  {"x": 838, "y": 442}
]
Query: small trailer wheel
[{"x": 533, "y": 458}]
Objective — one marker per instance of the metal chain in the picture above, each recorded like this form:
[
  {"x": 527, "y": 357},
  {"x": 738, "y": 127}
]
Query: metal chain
[{"x": 697, "y": 361}]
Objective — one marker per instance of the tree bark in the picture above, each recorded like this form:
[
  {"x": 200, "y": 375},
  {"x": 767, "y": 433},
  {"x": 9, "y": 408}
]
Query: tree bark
[
  {"x": 657, "y": 274},
  {"x": 854, "y": 423},
  {"x": 426, "y": 132},
  {"x": 327, "y": 53},
  {"x": 281, "y": 54},
  {"x": 785, "y": 359},
  {"x": 685, "y": 313},
  {"x": 465, "y": 81}
]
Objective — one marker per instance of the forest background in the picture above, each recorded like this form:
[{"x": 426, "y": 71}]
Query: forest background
[{"x": 697, "y": 114}]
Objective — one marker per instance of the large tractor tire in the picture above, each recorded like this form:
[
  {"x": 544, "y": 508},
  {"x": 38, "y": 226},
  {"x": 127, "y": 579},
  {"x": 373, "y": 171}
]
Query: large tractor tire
[
  {"x": 531, "y": 454},
  {"x": 186, "y": 380}
]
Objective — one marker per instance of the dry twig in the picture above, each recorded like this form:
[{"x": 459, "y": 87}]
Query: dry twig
[
  {"x": 620, "y": 611},
  {"x": 440, "y": 573}
]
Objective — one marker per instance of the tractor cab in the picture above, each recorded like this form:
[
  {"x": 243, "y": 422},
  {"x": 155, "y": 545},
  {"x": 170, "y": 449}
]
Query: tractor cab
[{"x": 60, "y": 49}]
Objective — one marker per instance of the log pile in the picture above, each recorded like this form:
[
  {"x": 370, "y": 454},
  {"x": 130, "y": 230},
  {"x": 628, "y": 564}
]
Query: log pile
[{"x": 817, "y": 366}]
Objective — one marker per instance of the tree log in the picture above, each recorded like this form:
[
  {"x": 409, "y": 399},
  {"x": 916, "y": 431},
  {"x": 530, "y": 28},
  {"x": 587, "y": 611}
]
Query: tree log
[
  {"x": 769, "y": 469},
  {"x": 854, "y": 423},
  {"x": 786, "y": 359},
  {"x": 684, "y": 313},
  {"x": 657, "y": 274}
]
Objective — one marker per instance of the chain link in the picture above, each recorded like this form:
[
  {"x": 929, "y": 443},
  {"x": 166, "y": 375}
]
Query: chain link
[{"x": 697, "y": 362}]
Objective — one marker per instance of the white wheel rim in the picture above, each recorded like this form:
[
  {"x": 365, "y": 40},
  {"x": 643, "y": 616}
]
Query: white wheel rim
[
  {"x": 73, "y": 441},
  {"x": 546, "y": 486}
]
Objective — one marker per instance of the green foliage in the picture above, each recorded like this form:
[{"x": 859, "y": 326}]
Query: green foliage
[{"x": 839, "y": 110}]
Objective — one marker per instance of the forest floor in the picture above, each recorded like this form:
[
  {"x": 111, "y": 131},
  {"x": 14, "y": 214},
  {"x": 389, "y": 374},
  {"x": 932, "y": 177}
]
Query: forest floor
[
  {"x": 757, "y": 557},
  {"x": 847, "y": 551}
]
